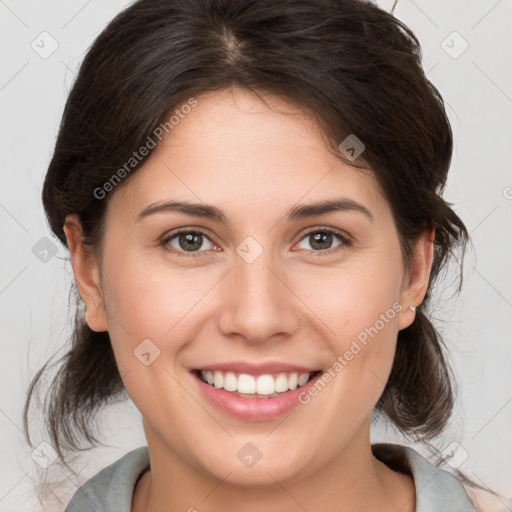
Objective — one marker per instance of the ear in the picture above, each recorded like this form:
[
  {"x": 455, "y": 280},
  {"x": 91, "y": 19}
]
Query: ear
[
  {"x": 87, "y": 274},
  {"x": 416, "y": 283}
]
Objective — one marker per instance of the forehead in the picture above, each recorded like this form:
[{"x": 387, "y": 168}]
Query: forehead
[{"x": 235, "y": 150}]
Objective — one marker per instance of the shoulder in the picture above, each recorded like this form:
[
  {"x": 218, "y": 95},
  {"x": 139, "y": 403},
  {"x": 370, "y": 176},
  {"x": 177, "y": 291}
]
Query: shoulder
[
  {"x": 111, "y": 489},
  {"x": 436, "y": 489}
]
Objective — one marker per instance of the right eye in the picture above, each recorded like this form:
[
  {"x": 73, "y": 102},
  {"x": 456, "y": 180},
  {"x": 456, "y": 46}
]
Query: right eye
[{"x": 186, "y": 241}]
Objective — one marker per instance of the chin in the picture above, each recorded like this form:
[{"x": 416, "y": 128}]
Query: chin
[{"x": 266, "y": 467}]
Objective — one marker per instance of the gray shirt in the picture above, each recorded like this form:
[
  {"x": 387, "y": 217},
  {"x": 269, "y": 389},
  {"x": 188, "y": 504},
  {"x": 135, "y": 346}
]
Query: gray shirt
[{"x": 111, "y": 490}]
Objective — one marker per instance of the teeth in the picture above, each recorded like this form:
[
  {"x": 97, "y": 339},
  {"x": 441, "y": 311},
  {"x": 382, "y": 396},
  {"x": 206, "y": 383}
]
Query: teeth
[
  {"x": 303, "y": 378},
  {"x": 218, "y": 380},
  {"x": 248, "y": 385},
  {"x": 265, "y": 385},
  {"x": 281, "y": 383},
  {"x": 230, "y": 381}
]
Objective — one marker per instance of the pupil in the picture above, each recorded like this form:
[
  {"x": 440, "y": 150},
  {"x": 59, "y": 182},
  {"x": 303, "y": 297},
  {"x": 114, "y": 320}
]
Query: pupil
[
  {"x": 324, "y": 239},
  {"x": 189, "y": 238}
]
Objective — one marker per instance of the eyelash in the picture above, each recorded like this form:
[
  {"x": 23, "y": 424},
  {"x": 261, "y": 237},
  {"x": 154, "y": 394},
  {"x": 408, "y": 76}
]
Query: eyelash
[{"x": 346, "y": 241}]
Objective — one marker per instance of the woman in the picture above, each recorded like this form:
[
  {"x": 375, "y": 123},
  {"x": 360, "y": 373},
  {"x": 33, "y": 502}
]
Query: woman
[{"x": 250, "y": 194}]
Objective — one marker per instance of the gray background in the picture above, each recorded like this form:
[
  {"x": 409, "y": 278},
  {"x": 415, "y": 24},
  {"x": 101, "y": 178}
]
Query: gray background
[{"x": 35, "y": 275}]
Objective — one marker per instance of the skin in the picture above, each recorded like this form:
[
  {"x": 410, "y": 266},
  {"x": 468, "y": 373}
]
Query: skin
[{"x": 290, "y": 305}]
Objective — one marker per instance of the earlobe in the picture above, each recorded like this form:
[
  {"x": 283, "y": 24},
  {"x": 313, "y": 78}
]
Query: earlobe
[
  {"x": 86, "y": 272},
  {"x": 417, "y": 283}
]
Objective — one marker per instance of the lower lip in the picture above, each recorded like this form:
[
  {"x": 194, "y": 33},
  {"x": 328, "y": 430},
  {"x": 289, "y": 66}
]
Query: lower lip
[{"x": 253, "y": 409}]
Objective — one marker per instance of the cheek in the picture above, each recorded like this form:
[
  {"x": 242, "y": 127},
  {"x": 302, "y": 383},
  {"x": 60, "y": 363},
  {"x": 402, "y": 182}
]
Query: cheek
[
  {"x": 354, "y": 298},
  {"x": 150, "y": 320},
  {"x": 148, "y": 302}
]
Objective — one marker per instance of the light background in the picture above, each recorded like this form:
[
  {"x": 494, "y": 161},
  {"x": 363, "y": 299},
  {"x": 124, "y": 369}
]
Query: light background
[{"x": 477, "y": 88}]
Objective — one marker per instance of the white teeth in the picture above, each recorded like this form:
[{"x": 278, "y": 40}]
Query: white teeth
[
  {"x": 218, "y": 380},
  {"x": 265, "y": 385},
  {"x": 303, "y": 378},
  {"x": 262, "y": 386},
  {"x": 281, "y": 384},
  {"x": 246, "y": 384},
  {"x": 292, "y": 381},
  {"x": 230, "y": 381}
]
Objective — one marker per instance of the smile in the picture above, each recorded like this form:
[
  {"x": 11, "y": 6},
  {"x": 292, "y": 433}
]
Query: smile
[{"x": 254, "y": 393}]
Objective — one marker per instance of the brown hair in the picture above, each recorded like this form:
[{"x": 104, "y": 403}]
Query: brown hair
[{"x": 353, "y": 67}]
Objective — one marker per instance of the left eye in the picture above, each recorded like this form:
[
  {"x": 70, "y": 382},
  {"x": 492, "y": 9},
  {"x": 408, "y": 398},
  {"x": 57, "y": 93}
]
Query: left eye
[{"x": 323, "y": 239}]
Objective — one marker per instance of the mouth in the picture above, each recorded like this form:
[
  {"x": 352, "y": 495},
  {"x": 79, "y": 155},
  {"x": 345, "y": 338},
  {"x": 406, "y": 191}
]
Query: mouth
[
  {"x": 246, "y": 385},
  {"x": 254, "y": 394}
]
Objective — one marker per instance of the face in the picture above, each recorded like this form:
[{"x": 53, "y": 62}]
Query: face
[{"x": 264, "y": 297}]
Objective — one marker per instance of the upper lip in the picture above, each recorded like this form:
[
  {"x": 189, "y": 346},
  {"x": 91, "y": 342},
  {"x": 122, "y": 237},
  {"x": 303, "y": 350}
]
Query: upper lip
[{"x": 256, "y": 369}]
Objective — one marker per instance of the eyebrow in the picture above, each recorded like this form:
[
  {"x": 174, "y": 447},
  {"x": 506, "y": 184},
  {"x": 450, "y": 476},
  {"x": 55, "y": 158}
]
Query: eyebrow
[{"x": 299, "y": 212}]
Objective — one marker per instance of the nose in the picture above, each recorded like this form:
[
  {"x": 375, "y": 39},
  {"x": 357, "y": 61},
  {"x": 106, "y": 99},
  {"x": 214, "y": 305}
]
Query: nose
[{"x": 257, "y": 304}]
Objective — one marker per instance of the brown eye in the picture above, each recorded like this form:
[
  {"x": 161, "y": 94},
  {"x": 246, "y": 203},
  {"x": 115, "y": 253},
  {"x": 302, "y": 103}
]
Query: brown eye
[
  {"x": 187, "y": 241},
  {"x": 323, "y": 239}
]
